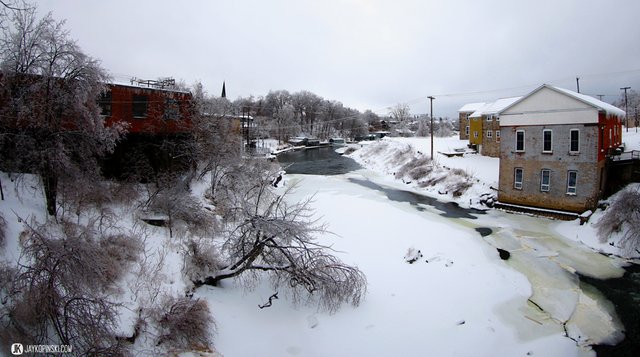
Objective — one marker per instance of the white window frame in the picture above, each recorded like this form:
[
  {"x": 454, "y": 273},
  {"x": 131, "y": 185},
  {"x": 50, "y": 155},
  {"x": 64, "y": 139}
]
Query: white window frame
[
  {"x": 498, "y": 135},
  {"x": 475, "y": 134},
  {"x": 544, "y": 142},
  {"x": 518, "y": 184},
  {"x": 489, "y": 117},
  {"x": 489, "y": 134},
  {"x": 524, "y": 137},
  {"x": 571, "y": 141},
  {"x": 572, "y": 190},
  {"x": 545, "y": 187}
]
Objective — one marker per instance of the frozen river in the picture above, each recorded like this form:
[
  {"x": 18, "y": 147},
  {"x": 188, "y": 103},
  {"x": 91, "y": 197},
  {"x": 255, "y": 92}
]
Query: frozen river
[
  {"x": 557, "y": 303},
  {"x": 458, "y": 299}
]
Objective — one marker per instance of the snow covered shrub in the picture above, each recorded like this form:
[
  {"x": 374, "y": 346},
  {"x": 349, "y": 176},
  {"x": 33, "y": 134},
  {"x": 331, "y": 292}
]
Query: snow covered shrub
[
  {"x": 375, "y": 149},
  {"x": 459, "y": 187},
  {"x": 59, "y": 292},
  {"x": 402, "y": 155},
  {"x": 433, "y": 180},
  {"x": 416, "y": 168},
  {"x": 200, "y": 260},
  {"x": 349, "y": 151},
  {"x": 621, "y": 220},
  {"x": 77, "y": 193},
  {"x": 173, "y": 199},
  {"x": 462, "y": 181},
  {"x": 186, "y": 324}
]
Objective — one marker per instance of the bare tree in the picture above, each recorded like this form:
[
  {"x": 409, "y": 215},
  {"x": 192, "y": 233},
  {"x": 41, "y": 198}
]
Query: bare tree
[
  {"x": 621, "y": 218},
  {"x": 284, "y": 122},
  {"x": 274, "y": 236},
  {"x": 50, "y": 123},
  {"x": 400, "y": 112},
  {"x": 307, "y": 106},
  {"x": 58, "y": 292},
  {"x": 217, "y": 148}
]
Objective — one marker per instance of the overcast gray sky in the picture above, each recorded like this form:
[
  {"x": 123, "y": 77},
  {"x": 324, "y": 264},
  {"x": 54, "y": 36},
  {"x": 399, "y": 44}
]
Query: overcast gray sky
[{"x": 368, "y": 54}]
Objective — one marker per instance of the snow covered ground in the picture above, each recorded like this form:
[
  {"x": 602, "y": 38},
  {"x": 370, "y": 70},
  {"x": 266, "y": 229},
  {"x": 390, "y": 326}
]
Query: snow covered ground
[{"x": 458, "y": 299}]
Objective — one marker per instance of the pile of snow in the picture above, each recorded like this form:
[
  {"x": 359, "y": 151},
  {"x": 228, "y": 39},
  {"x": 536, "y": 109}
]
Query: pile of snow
[{"x": 438, "y": 177}]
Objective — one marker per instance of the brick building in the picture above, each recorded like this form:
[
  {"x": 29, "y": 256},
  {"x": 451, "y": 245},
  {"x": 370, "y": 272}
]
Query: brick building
[
  {"x": 159, "y": 124},
  {"x": 553, "y": 150}
]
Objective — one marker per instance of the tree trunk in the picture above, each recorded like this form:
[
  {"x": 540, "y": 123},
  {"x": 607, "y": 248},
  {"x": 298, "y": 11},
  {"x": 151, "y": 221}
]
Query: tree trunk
[{"x": 50, "y": 181}]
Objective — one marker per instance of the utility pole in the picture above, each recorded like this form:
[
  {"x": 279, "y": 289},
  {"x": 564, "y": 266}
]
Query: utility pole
[
  {"x": 431, "y": 98},
  {"x": 578, "y": 84},
  {"x": 626, "y": 109}
]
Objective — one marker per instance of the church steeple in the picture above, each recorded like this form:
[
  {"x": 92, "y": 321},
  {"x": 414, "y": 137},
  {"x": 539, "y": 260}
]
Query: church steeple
[{"x": 224, "y": 92}]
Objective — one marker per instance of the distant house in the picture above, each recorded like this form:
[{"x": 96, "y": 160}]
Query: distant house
[
  {"x": 484, "y": 126},
  {"x": 553, "y": 149},
  {"x": 464, "y": 114}
]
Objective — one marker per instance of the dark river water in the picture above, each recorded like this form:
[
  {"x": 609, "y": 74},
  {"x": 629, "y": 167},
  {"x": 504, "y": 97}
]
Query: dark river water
[
  {"x": 320, "y": 161},
  {"x": 623, "y": 292}
]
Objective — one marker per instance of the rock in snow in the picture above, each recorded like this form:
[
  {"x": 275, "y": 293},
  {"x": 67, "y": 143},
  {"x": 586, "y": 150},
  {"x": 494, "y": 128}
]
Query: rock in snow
[{"x": 412, "y": 255}]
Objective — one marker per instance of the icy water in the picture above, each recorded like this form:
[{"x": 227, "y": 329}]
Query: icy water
[{"x": 448, "y": 209}]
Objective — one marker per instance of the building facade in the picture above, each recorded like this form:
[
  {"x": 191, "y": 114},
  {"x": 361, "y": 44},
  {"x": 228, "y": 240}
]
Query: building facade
[
  {"x": 553, "y": 149},
  {"x": 484, "y": 127},
  {"x": 147, "y": 110},
  {"x": 463, "y": 118}
]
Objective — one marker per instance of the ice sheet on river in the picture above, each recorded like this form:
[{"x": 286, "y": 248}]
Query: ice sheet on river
[{"x": 550, "y": 263}]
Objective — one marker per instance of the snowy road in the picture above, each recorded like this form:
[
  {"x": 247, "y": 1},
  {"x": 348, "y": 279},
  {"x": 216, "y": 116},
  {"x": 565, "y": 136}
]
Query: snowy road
[{"x": 460, "y": 299}]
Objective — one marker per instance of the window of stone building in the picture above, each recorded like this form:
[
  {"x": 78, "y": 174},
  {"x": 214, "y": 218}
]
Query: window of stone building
[
  {"x": 517, "y": 179},
  {"x": 547, "y": 141},
  {"x": 572, "y": 182},
  {"x": 545, "y": 180},
  {"x": 489, "y": 134},
  {"x": 498, "y": 135},
  {"x": 520, "y": 140},
  {"x": 574, "y": 146},
  {"x": 466, "y": 130}
]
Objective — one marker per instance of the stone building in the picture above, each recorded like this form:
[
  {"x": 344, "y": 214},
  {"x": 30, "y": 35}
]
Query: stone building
[
  {"x": 464, "y": 114},
  {"x": 553, "y": 149}
]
